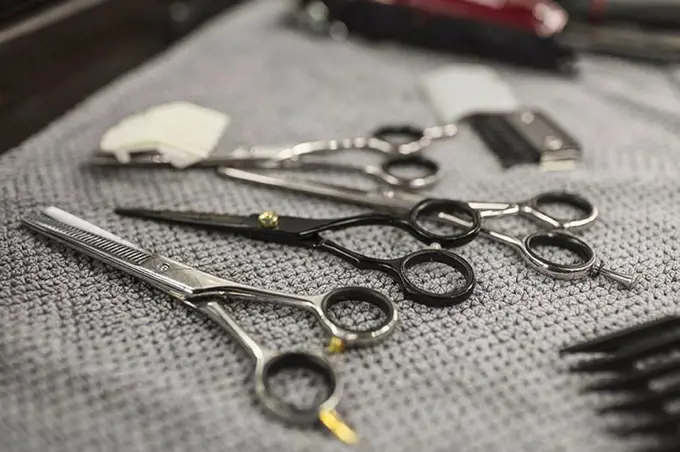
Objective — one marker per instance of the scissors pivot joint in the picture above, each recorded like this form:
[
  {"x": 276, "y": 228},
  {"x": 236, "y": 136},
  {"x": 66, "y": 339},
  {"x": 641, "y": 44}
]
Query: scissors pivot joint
[
  {"x": 335, "y": 345},
  {"x": 268, "y": 219}
]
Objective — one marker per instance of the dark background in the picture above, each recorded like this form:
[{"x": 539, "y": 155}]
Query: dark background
[{"x": 53, "y": 53}]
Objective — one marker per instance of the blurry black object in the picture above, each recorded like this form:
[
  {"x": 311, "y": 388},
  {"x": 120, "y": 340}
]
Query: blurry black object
[
  {"x": 638, "y": 29},
  {"x": 185, "y": 15},
  {"x": 419, "y": 23},
  {"x": 643, "y": 364},
  {"x": 53, "y": 53},
  {"x": 625, "y": 40},
  {"x": 650, "y": 13},
  {"x": 13, "y": 10}
]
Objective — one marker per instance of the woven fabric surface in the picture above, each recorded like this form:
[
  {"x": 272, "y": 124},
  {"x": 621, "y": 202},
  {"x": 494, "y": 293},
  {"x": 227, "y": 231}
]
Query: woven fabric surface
[{"x": 91, "y": 359}]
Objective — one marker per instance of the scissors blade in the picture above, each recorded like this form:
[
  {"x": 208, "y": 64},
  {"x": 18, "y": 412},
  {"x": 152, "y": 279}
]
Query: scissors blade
[
  {"x": 192, "y": 218},
  {"x": 141, "y": 159},
  {"x": 240, "y": 157},
  {"x": 379, "y": 200},
  {"x": 172, "y": 277}
]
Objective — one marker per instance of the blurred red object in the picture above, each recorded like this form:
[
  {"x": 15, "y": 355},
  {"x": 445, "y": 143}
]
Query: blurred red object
[
  {"x": 542, "y": 17},
  {"x": 521, "y": 31}
]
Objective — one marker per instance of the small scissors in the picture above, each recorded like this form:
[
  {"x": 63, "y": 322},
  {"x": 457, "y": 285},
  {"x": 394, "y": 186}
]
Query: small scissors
[
  {"x": 401, "y": 146},
  {"x": 556, "y": 234},
  {"x": 268, "y": 226},
  {"x": 206, "y": 293}
]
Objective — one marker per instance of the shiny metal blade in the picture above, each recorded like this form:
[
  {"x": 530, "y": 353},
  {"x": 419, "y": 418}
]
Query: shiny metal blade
[
  {"x": 155, "y": 159},
  {"x": 379, "y": 200},
  {"x": 76, "y": 235},
  {"x": 172, "y": 277},
  {"x": 188, "y": 217}
]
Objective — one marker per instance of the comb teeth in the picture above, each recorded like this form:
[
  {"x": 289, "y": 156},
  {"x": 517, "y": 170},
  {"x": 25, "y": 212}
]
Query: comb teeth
[
  {"x": 627, "y": 356},
  {"x": 636, "y": 378},
  {"x": 111, "y": 247},
  {"x": 647, "y": 366},
  {"x": 652, "y": 401},
  {"x": 666, "y": 424},
  {"x": 613, "y": 342}
]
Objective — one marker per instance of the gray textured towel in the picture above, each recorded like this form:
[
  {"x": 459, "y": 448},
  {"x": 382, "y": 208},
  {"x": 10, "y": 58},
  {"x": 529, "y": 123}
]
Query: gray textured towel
[{"x": 93, "y": 360}]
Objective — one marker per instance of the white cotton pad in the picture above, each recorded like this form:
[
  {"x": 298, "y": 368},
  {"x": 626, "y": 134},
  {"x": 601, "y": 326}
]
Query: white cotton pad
[
  {"x": 458, "y": 90},
  {"x": 184, "y": 132}
]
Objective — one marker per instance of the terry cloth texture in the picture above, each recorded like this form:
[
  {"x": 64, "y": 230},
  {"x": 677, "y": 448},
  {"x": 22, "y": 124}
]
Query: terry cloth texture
[{"x": 91, "y": 359}]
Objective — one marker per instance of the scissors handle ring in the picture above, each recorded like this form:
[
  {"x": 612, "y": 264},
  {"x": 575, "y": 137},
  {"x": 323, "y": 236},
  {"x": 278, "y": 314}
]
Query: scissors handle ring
[
  {"x": 434, "y": 207},
  {"x": 359, "y": 337},
  {"x": 405, "y": 139},
  {"x": 447, "y": 258},
  {"x": 429, "y": 168},
  {"x": 565, "y": 241},
  {"x": 270, "y": 365},
  {"x": 573, "y": 200}
]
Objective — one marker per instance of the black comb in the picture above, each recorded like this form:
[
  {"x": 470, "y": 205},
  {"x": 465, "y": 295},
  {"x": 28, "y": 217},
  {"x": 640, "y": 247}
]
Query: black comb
[
  {"x": 645, "y": 362},
  {"x": 612, "y": 342},
  {"x": 526, "y": 136}
]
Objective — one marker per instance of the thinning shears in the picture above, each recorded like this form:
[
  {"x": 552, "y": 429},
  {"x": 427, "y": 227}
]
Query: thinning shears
[
  {"x": 207, "y": 294},
  {"x": 74, "y": 232},
  {"x": 268, "y": 226},
  {"x": 555, "y": 232},
  {"x": 399, "y": 145}
]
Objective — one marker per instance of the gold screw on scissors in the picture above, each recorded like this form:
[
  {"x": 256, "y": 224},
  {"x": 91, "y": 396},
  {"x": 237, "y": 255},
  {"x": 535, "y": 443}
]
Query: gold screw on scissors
[
  {"x": 335, "y": 345},
  {"x": 268, "y": 219}
]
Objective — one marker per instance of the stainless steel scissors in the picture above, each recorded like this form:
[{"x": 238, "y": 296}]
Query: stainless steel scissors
[
  {"x": 528, "y": 247},
  {"x": 160, "y": 270},
  {"x": 400, "y": 146},
  {"x": 206, "y": 293},
  {"x": 269, "y": 226},
  {"x": 403, "y": 139}
]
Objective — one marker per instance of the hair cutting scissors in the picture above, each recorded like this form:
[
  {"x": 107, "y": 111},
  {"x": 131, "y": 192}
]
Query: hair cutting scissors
[
  {"x": 307, "y": 232},
  {"x": 400, "y": 139},
  {"x": 206, "y": 293},
  {"x": 114, "y": 250},
  {"x": 555, "y": 233},
  {"x": 400, "y": 145}
]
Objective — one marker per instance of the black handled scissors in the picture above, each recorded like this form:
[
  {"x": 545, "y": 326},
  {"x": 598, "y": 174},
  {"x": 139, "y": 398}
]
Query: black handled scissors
[
  {"x": 553, "y": 233},
  {"x": 268, "y": 226}
]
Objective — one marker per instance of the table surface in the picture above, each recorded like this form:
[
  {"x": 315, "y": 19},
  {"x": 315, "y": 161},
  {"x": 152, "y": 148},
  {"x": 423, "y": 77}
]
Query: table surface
[{"x": 92, "y": 360}]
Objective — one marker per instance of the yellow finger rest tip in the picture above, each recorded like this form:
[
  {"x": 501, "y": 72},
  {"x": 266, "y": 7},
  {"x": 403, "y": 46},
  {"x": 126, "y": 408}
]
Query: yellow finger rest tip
[
  {"x": 337, "y": 426},
  {"x": 336, "y": 345}
]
